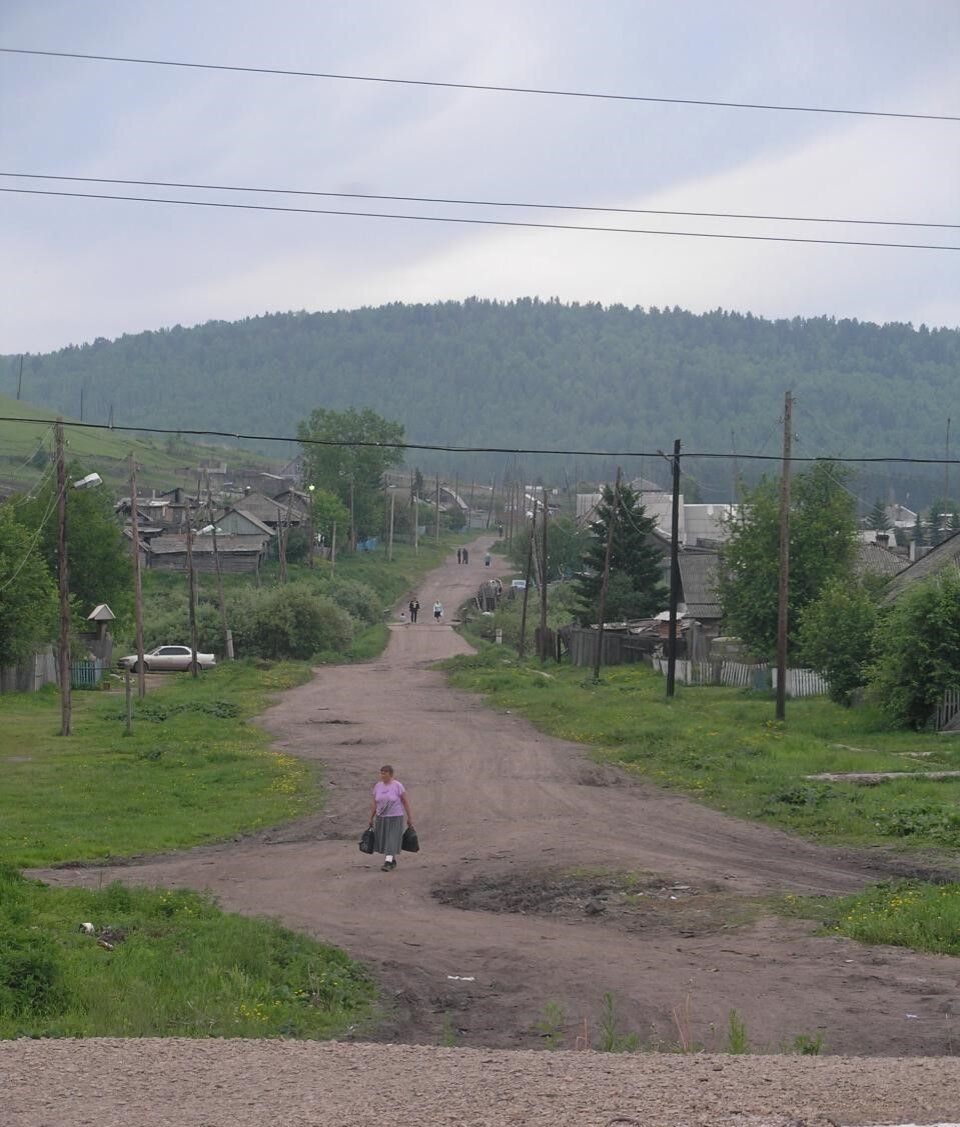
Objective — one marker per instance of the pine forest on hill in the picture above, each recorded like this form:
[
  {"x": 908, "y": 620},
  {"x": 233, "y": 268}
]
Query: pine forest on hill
[{"x": 542, "y": 374}]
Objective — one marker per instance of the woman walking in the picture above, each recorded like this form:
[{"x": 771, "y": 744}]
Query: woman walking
[
  {"x": 390, "y": 804},
  {"x": 437, "y": 611}
]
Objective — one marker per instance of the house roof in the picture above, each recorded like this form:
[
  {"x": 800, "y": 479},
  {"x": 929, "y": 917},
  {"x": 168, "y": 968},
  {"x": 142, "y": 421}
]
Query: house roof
[
  {"x": 698, "y": 574},
  {"x": 874, "y": 559},
  {"x": 101, "y": 613},
  {"x": 945, "y": 556},
  {"x": 262, "y": 507},
  {"x": 255, "y": 521},
  {"x": 203, "y": 545}
]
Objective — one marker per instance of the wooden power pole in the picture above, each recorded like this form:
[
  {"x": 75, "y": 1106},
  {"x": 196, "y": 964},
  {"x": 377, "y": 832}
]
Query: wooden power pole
[
  {"x": 137, "y": 582},
  {"x": 63, "y": 578},
  {"x": 521, "y": 648},
  {"x": 192, "y": 580},
  {"x": 784, "y": 577},
  {"x": 543, "y": 582},
  {"x": 674, "y": 573}
]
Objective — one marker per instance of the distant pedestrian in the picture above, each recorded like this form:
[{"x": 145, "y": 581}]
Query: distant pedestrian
[
  {"x": 437, "y": 611},
  {"x": 414, "y": 608},
  {"x": 466, "y": 555},
  {"x": 486, "y": 560},
  {"x": 459, "y": 555},
  {"x": 390, "y": 804}
]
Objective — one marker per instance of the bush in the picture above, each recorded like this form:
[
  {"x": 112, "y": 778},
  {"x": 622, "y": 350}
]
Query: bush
[
  {"x": 919, "y": 652},
  {"x": 291, "y": 621},
  {"x": 837, "y": 637},
  {"x": 357, "y": 599}
]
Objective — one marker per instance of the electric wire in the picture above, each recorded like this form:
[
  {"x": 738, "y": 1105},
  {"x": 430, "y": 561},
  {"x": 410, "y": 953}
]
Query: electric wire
[
  {"x": 482, "y": 87},
  {"x": 477, "y": 222},
  {"x": 539, "y": 206},
  {"x": 453, "y": 449}
]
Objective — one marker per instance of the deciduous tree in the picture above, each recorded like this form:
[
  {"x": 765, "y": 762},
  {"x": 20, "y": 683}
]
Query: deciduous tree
[
  {"x": 822, "y": 547},
  {"x": 363, "y": 447}
]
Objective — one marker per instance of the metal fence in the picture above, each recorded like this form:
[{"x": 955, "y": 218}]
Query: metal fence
[{"x": 86, "y": 674}]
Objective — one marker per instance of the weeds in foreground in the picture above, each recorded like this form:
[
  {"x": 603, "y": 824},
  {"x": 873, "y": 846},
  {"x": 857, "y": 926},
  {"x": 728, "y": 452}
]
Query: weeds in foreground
[
  {"x": 550, "y": 1025},
  {"x": 448, "y": 1033},
  {"x": 737, "y": 1040},
  {"x": 806, "y": 1045},
  {"x": 612, "y": 1040}
]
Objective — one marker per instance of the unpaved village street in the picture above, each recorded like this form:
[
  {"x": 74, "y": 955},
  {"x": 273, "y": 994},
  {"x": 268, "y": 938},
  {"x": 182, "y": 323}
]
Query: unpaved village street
[{"x": 510, "y": 907}]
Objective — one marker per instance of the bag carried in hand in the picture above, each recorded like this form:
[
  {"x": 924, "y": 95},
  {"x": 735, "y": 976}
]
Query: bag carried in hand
[
  {"x": 366, "y": 841},
  {"x": 410, "y": 842}
]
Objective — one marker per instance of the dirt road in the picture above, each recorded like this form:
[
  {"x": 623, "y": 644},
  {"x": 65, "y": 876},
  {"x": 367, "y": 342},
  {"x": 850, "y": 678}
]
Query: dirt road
[{"x": 509, "y": 920}]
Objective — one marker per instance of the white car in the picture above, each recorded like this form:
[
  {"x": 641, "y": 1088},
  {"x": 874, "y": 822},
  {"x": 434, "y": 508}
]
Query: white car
[{"x": 168, "y": 658}]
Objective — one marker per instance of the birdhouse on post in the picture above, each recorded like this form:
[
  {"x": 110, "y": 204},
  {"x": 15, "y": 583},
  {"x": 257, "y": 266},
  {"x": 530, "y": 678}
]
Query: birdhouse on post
[{"x": 101, "y": 616}]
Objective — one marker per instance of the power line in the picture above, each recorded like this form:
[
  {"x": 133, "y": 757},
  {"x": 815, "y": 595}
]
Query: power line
[
  {"x": 484, "y": 87},
  {"x": 514, "y": 223},
  {"x": 446, "y": 448},
  {"x": 481, "y": 203}
]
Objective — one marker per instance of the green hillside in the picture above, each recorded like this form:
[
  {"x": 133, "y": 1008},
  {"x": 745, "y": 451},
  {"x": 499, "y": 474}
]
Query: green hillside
[
  {"x": 533, "y": 373},
  {"x": 162, "y": 463}
]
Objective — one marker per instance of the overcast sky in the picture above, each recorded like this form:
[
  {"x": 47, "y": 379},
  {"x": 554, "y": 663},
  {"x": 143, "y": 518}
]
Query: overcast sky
[{"x": 77, "y": 269}]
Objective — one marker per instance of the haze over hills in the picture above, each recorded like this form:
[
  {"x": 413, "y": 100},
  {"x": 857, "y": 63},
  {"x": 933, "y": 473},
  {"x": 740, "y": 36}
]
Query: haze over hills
[{"x": 541, "y": 374}]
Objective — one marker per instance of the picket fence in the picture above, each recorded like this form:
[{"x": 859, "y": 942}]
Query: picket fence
[
  {"x": 948, "y": 712},
  {"x": 800, "y": 682}
]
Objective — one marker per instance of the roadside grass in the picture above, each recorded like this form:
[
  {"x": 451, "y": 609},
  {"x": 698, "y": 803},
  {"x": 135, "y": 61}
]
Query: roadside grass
[
  {"x": 177, "y": 967},
  {"x": 193, "y": 770},
  {"x": 724, "y": 747},
  {"x": 923, "y": 916}
]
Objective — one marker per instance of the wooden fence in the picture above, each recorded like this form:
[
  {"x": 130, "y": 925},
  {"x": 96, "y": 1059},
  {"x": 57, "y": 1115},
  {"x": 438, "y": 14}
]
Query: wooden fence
[
  {"x": 948, "y": 712},
  {"x": 800, "y": 682}
]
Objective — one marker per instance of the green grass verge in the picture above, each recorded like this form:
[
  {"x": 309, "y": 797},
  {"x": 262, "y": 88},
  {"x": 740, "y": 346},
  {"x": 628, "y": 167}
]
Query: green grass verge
[
  {"x": 192, "y": 771},
  {"x": 913, "y": 914},
  {"x": 724, "y": 747},
  {"x": 178, "y": 967}
]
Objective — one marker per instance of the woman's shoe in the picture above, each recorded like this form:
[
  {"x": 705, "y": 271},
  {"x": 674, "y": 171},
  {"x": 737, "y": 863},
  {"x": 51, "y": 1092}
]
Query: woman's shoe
[{"x": 386, "y": 867}]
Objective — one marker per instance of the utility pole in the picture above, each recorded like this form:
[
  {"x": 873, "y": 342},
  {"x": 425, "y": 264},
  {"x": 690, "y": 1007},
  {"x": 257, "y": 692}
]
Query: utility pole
[
  {"x": 63, "y": 657},
  {"x": 521, "y": 648},
  {"x": 192, "y": 579},
  {"x": 227, "y": 634},
  {"x": 493, "y": 490},
  {"x": 20, "y": 378},
  {"x": 436, "y": 527},
  {"x": 674, "y": 572},
  {"x": 137, "y": 582},
  {"x": 784, "y": 580},
  {"x": 736, "y": 467},
  {"x": 543, "y": 583},
  {"x": 606, "y": 577},
  {"x": 393, "y": 500},
  {"x": 946, "y": 467},
  {"x": 333, "y": 548},
  {"x": 353, "y": 520}
]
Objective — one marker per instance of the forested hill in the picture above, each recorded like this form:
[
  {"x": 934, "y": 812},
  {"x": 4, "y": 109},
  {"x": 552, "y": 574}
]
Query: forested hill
[{"x": 533, "y": 373}]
